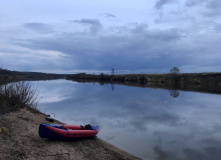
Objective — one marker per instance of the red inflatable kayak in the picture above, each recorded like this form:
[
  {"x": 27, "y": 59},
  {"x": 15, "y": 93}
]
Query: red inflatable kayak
[{"x": 52, "y": 131}]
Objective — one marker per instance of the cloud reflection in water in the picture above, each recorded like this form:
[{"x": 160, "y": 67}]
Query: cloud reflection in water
[{"x": 148, "y": 123}]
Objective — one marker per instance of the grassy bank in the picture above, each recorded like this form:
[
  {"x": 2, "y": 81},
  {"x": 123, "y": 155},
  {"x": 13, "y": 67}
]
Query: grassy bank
[{"x": 199, "y": 82}]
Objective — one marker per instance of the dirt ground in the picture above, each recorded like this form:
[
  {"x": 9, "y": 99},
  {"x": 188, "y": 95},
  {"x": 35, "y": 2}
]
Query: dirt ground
[{"x": 19, "y": 139}]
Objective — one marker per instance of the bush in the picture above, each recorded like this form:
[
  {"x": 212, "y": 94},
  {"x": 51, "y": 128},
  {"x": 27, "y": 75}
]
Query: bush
[{"x": 18, "y": 95}]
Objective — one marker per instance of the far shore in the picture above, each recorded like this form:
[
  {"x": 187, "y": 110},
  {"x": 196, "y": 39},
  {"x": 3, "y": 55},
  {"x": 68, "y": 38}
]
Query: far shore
[
  {"x": 19, "y": 139},
  {"x": 197, "y": 82}
]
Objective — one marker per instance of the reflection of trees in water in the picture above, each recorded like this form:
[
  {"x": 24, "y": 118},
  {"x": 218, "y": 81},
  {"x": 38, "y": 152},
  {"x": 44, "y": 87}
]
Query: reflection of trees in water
[
  {"x": 174, "y": 93},
  {"x": 112, "y": 87}
]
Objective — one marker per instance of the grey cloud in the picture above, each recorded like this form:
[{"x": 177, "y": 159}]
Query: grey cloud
[
  {"x": 21, "y": 59},
  {"x": 191, "y": 3},
  {"x": 214, "y": 8},
  {"x": 94, "y": 24},
  {"x": 160, "y": 3},
  {"x": 214, "y": 4},
  {"x": 211, "y": 8},
  {"x": 212, "y": 142},
  {"x": 38, "y": 27},
  {"x": 210, "y": 25},
  {"x": 108, "y": 15},
  {"x": 104, "y": 51},
  {"x": 159, "y": 50}
]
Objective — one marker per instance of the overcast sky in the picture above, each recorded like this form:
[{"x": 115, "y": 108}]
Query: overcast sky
[{"x": 131, "y": 36}]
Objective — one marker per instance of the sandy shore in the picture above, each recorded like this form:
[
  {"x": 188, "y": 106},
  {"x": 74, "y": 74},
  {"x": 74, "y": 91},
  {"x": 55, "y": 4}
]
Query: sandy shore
[{"x": 19, "y": 139}]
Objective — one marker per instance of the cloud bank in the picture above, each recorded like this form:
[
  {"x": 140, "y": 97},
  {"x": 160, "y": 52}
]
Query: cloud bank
[{"x": 167, "y": 34}]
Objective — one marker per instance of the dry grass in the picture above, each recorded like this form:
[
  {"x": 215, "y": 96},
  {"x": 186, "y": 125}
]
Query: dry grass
[{"x": 17, "y": 95}]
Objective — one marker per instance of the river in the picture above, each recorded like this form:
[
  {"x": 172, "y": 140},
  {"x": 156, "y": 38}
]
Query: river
[{"x": 148, "y": 123}]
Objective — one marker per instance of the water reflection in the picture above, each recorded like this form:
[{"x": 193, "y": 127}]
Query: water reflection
[
  {"x": 174, "y": 93},
  {"x": 148, "y": 123},
  {"x": 112, "y": 87}
]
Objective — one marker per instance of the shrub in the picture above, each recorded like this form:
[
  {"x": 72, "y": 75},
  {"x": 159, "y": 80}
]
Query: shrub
[
  {"x": 175, "y": 70},
  {"x": 18, "y": 95},
  {"x": 102, "y": 76}
]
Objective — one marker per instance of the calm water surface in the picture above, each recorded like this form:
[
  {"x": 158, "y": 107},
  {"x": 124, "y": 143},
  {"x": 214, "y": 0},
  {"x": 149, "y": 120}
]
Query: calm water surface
[{"x": 148, "y": 123}]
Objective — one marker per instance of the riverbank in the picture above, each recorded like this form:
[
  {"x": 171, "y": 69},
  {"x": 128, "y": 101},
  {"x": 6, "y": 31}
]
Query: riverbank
[
  {"x": 19, "y": 139},
  {"x": 197, "y": 82},
  {"x": 7, "y": 76}
]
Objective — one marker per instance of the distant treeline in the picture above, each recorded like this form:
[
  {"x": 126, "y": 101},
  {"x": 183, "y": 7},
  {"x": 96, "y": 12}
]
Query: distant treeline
[
  {"x": 200, "y": 82},
  {"x": 12, "y": 76}
]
